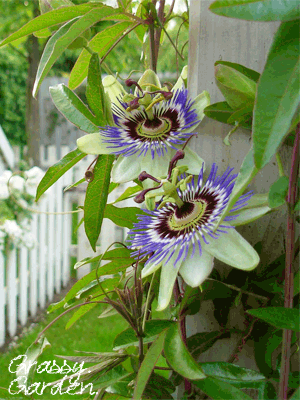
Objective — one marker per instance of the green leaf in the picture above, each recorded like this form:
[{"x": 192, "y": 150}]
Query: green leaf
[
  {"x": 64, "y": 37},
  {"x": 116, "y": 254},
  {"x": 296, "y": 395},
  {"x": 25, "y": 370},
  {"x": 124, "y": 217},
  {"x": 266, "y": 391},
  {"x": 297, "y": 206},
  {"x": 128, "y": 193},
  {"x": 250, "y": 73},
  {"x": 85, "y": 308},
  {"x": 278, "y": 192},
  {"x": 202, "y": 341},
  {"x": 241, "y": 114},
  {"x": 280, "y": 317},
  {"x": 57, "y": 170},
  {"x": 179, "y": 357},
  {"x": 95, "y": 91},
  {"x": 73, "y": 185},
  {"x": 219, "y": 390},
  {"x": 148, "y": 365},
  {"x": 257, "y": 10},
  {"x": 110, "y": 377},
  {"x": 222, "y": 112},
  {"x": 70, "y": 105},
  {"x": 273, "y": 342},
  {"x": 153, "y": 328},
  {"x": 297, "y": 283},
  {"x": 96, "y": 197},
  {"x": 231, "y": 373},
  {"x": 237, "y": 88},
  {"x": 277, "y": 93},
  {"x": 52, "y": 18},
  {"x": 100, "y": 43}
]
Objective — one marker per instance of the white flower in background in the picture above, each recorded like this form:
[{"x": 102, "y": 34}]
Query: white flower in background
[
  {"x": 16, "y": 182},
  {"x": 13, "y": 231},
  {"x": 34, "y": 176},
  {"x": 4, "y": 178}
]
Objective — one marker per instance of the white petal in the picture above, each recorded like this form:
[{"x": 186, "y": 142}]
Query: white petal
[
  {"x": 182, "y": 80},
  {"x": 192, "y": 160},
  {"x": 194, "y": 270},
  {"x": 126, "y": 169},
  {"x": 150, "y": 269},
  {"x": 234, "y": 250},
  {"x": 248, "y": 215},
  {"x": 167, "y": 279},
  {"x": 93, "y": 144},
  {"x": 200, "y": 102},
  {"x": 157, "y": 167}
]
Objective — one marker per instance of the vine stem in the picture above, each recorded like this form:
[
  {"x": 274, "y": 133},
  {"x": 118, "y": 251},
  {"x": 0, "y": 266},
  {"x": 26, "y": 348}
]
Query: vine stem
[
  {"x": 289, "y": 282},
  {"x": 177, "y": 294}
]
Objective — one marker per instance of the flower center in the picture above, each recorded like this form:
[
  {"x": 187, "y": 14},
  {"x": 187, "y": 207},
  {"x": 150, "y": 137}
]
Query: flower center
[
  {"x": 154, "y": 128},
  {"x": 189, "y": 215}
]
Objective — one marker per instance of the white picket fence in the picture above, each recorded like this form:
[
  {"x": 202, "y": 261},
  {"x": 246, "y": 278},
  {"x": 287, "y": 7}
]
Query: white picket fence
[{"x": 29, "y": 278}]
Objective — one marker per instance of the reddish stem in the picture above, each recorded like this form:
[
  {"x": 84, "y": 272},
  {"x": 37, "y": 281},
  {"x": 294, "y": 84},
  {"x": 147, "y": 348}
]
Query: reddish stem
[{"x": 289, "y": 279}]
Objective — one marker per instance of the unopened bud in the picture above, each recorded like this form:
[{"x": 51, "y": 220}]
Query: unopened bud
[{"x": 130, "y": 82}]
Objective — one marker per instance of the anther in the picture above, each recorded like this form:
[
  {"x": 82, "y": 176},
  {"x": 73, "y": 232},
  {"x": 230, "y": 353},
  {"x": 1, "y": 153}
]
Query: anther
[
  {"x": 144, "y": 175},
  {"x": 130, "y": 82},
  {"x": 178, "y": 156}
]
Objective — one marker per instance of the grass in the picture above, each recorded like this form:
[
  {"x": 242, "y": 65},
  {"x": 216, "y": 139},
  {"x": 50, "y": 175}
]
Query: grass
[{"x": 87, "y": 334}]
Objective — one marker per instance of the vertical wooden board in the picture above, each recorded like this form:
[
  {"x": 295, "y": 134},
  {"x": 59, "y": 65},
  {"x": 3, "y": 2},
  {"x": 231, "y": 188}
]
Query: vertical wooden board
[
  {"x": 12, "y": 291},
  {"x": 42, "y": 251},
  {"x": 23, "y": 284},
  {"x": 3, "y": 292},
  {"x": 58, "y": 235},
  {"x": 50, "y": 244},
  {"x": 214, "y": 38},
  {"x": 67, "y": 221},
  {"x": 33, "y": 269}
]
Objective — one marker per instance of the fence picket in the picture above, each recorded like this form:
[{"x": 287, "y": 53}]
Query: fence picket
[
  {"x": 58, "y": 235},
  {"x": 12, "y": 291},
  {"x": 33, "y": 264},
  {"x": 42, "y": 252},
  {"x": 67, "y": 206},
  {"x": 2, "y": 293},
  {"x": 50, "y": 244},
  {"x": 23, "y": 285}
]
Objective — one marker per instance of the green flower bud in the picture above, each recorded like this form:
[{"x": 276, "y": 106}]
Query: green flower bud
[
  {"x": 149, "y": 81},
  {"x": 113, "y": 88}
]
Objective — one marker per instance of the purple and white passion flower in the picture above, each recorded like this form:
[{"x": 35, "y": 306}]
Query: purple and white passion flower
[
  {"x": 184, "y": 236},
  {"x": 149, "y": 126}
]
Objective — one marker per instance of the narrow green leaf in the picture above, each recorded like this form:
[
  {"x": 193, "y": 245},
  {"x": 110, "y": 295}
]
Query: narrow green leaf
[
  {"x": 257, "y": 10},
  {"x": 250, "y": 73},
  {"x": 237, "y": 88},
  {"x": 73, "y": 185},
  {"x": 242, "y": 114},
  {"x": 128, "y": 193},
  {"x": 179, "y": 357},
  {"x": 111, "y": 377},
  {"x": 277, "y": 93},
  {"x": 60, "y": 42},
  {"x": 222, "y": 112},
  {"x": 96, "y": 197},
  {"x": 297, "y": 206},
  {"x": 57, "y": 170},
  {"x": 80, "y": 313},
  {"x": 153, "y": 328},
  {"x": 116, "y": 254},
  {"x": 296, "y": 395},
  {"x": 219, "y": 390},
  {"x": 124, "y": 217},
  {"x": 148, "y": 365},
  {"x": 202, "y": 341},
  {"x": 231, "y": 373},
  {"x": 297, "y": 283},
  {"x": 70, "y": 105},
  {"x": 278, "y": 192},
  {"x": 266, "y": 391},
  {"x": 25, "y": 370},
  {"x": 52, "y": 18},
  {"x": 280, "y": 317},
  {"x": 95, "y": 91},
  {"x": 100, "y": 43}
]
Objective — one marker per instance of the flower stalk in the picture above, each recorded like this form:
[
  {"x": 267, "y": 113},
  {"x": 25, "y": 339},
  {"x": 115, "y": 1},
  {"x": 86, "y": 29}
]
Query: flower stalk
[{"x": 289, "y": 279}]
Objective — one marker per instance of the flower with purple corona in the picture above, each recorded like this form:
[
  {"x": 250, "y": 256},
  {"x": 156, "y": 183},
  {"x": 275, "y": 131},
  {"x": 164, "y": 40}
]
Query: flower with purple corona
[
  {"x": 148, "y": 126},
  {"x": 185, "y": 234}
]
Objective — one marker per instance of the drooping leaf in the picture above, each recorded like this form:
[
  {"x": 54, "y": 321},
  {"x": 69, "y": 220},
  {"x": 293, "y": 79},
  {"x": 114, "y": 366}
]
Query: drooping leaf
[
  {"x": 111, "y": 377},
  {"x": 220, "y": 390},
  {"x": 70, "y": 105},
  {"x": 128, "y": 193},
  {"x": 124, "y": 217},
  {"x": 278, "y": 192},
  {"x": 148, "y": 365},
  {"x": 237, "y": 88},
  {"x": 25, "y": 370},
  {"x": 258, "y": 10},
  {"x": 280, "y": 317},
  {"x": 222, "y": 112},
  {"x": 179, "y": 357},
  {"x": 277, "y": 93},
  {"x": 57, "y": 170},
  {"x": 100, "y": 43},
  {"x": 95, "y": 91},
  {"x": 152, "y": 328},
  {"x": 96, "y": 197},
  {"x": 53, "y": 18},
  {"x": 250, "y": 73},
  {"x": 73, "y": 185}
]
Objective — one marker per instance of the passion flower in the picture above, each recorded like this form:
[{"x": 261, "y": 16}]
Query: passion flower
[
  {"x": 183, "y": 236},
  {"x": 149, "y": 126}
]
